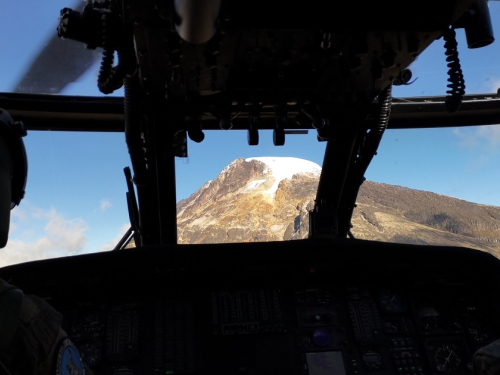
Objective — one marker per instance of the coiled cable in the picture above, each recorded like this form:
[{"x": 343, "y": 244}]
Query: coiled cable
[
  {"x": 110, "y": 78},
  {"x": 367, "y": 146},
  {"x": 385, "y": 100},
  {"x": 373, "y": 138},
  {"x": 456, "y": 81}
]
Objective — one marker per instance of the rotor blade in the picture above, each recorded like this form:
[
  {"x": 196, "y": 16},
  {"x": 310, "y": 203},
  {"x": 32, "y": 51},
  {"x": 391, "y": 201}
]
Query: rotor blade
[{"x": 59, "y": 63}]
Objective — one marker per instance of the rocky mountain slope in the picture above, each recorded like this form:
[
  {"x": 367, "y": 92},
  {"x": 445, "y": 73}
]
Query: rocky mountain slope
[
  {"x": 260, "y": 199},
  {"x": 267, "y": 199}
]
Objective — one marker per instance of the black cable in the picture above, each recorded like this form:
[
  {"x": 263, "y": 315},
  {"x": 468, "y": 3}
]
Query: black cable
[
  {"x": 367, "y": 150},
  {"x": 385, "y": 100},
  {"x": 456, "y": 81},
  {"x": 375, "y": 135},
  {"x": 110, "y": 78}
]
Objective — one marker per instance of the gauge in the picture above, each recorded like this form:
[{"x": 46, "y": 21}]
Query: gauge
[
  {"x": 433, "y": 321},
  {"x": 391, "y": 302},
  {"x": 477, "y": 324},
  {"x": 448, "y": 356},
  {"x": 91, "y": 352},
  {"x": 392, "y": 326},
  {"x": 478, "y": 331},
  {"x": 399, "y": 324},
  {"x": 429, "y": 318},
  {"x": 447, "y": 359}
]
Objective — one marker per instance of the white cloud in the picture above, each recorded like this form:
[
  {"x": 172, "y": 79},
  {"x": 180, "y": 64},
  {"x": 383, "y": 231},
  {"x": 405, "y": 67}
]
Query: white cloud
[
  {"x": 493, "y": 85},
  {"x": 491, "y": 134},
  {"x": 483, "y": 143},
  {"x": 12, "y": 228},
  {"x": 104, "y": 205},
  {"x": 483, "y": 136},
  {"x": 28, "y": 233},
  {"x": 59, "y": 237},
  {"x": 467, "y": 140},
  {"x": 19, "y": 213},
  {"x": 111, "y": 245}
]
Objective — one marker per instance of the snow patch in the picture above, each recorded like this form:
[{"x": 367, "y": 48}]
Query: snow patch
[
  {"x": 284, "y": 167},
  {"x": 253, "y": 185}
]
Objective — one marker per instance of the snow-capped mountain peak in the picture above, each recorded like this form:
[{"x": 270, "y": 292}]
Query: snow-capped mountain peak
[{"x": 281, "y": 168}]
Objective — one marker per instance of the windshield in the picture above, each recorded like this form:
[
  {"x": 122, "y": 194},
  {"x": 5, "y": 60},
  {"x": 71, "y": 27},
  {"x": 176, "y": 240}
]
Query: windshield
[{"x": 75, "y": 198}]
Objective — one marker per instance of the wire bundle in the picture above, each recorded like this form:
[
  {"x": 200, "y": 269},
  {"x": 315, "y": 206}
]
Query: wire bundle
[
  {"x": 456, "y": 81},
  {"x": 110, "y": 78}
]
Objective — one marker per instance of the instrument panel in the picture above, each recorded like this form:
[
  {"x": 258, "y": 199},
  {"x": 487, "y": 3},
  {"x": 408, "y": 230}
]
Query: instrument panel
[{"x": 305, "y": 308}]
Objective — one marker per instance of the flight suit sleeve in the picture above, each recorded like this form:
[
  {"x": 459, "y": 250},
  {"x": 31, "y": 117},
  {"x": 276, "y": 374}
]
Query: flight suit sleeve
[
  {"x": 33, "y": 333},
  {"x": 487, "y": 359}
]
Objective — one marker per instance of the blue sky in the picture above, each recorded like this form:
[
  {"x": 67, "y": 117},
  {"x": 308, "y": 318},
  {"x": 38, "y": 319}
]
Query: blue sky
[{"x": 75, "y": 198}]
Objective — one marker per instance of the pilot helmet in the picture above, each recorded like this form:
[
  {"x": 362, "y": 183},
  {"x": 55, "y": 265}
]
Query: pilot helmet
[{"x": 13, "y": 169}]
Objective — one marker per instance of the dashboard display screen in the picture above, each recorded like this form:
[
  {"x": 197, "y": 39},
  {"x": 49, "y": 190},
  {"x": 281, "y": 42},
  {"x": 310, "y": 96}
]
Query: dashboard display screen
[{"x": 322, "y": 363}]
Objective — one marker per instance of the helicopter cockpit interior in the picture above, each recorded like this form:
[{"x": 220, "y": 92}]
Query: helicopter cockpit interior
[{"x": 328, "y": 304}]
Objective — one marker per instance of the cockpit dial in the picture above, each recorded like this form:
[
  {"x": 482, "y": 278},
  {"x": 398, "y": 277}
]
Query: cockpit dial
[
  {"x": 449, "y": 356},
  {"x": 391, "y": 302},
  {"x": 446, "y": 358}
]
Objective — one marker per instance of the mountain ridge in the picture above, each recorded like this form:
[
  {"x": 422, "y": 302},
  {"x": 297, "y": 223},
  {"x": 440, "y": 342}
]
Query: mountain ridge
[{"x": 236, "y": 207}]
